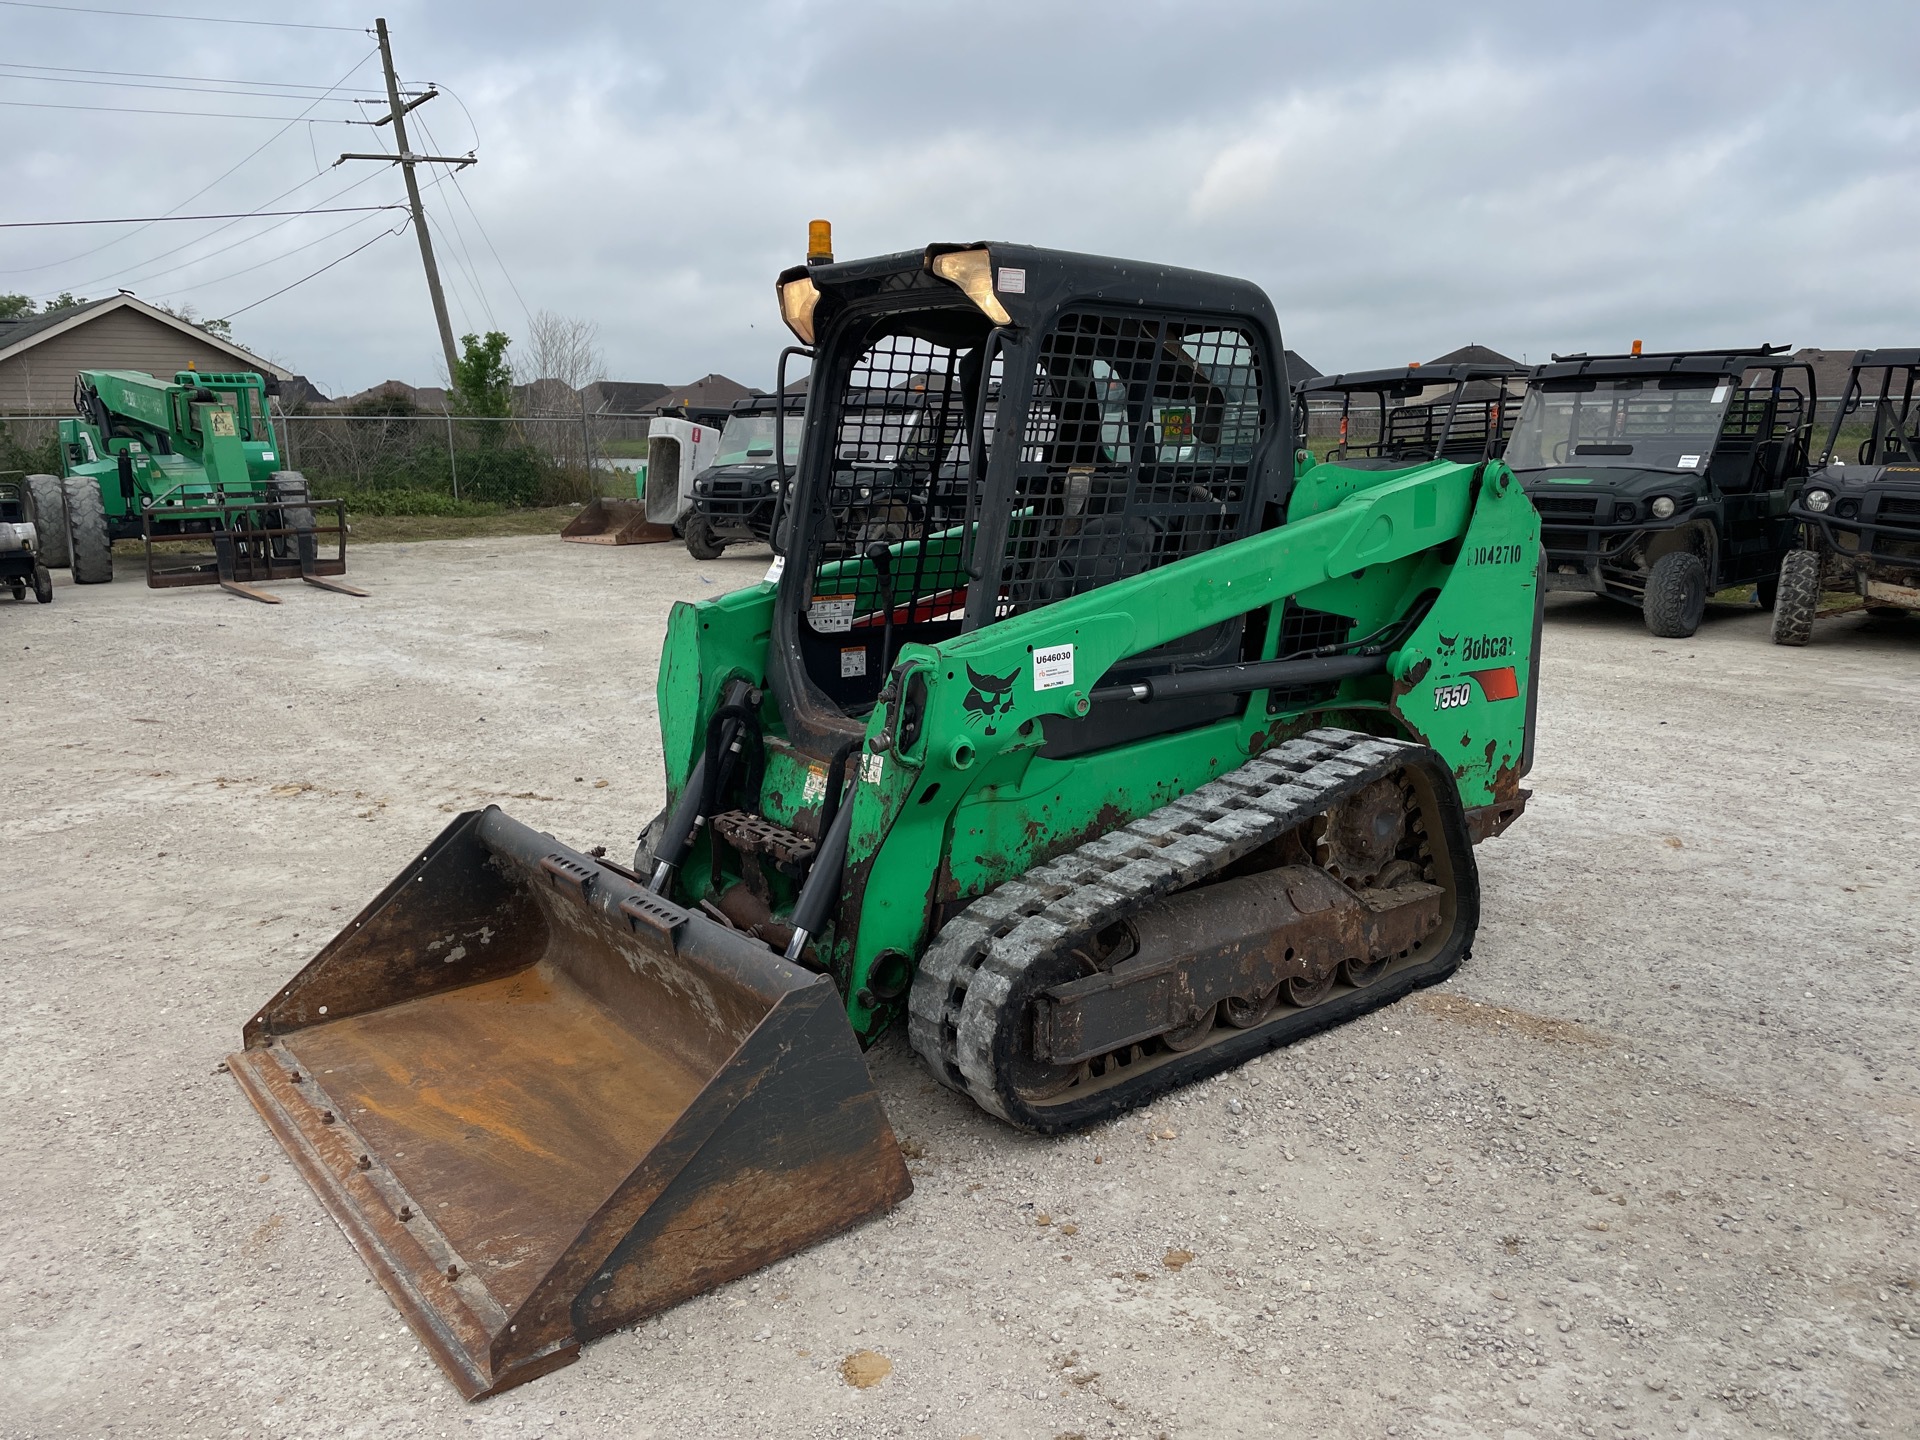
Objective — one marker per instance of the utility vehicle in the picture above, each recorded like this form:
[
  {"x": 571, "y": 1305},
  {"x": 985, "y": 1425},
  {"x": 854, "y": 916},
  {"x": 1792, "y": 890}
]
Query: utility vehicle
[
  {"x": 1859, "y": 517},
  {"x": 1414, "y": 412},
  {"x": 734, "y": 496},
  {"x": 1663, "y": 478}
]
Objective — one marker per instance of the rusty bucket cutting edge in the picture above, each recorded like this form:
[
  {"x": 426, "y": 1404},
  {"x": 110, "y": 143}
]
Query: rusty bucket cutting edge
[
  {"x": 615, "y": 522},
  {"x": 544, "y": 1103}
]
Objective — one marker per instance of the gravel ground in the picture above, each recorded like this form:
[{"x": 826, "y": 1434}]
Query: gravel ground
[{"x": 1645, "y": 1166}]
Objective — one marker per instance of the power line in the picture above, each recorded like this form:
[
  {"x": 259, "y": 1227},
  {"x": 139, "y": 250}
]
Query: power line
[
  {"x": 461, "y": 191},
  {"x": 399, "y": 229},
  {"x": 118, "y": 239},
  {"x": 271, "y": 260},
  {"x": 162, "y": 219},
  {"x": 122, "y": 276},
  {"x": 453, "y": 219},
  {"x": 123, "y": 84},
  {"x": 164, "y": 75},
  {"x": 155, "y": 15},
  {"x": 196, "y": 114},
  {"x": 129, "y": 279}
]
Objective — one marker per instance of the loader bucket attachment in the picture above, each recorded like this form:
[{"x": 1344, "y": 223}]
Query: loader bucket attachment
[
  {"x": 544, "y": 1103},
  {"x": 615, "y": 522}
]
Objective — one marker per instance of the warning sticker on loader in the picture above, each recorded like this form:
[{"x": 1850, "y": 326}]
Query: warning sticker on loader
[
  {"x": 1053, "y": 667},
  {"x": 830, "y": 614},
  {"x": 853, "y": 662}
]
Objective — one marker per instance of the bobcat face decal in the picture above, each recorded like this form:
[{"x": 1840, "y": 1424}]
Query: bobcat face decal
[{"x": 989, "y": 697}]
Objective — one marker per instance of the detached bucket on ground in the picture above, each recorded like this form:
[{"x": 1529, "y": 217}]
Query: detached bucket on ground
[
  {"x": 615, "y": 522},
  {"x": 544, "y": 1103}
]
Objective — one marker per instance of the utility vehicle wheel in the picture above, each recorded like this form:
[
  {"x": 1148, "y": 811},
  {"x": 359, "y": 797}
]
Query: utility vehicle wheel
[
  {"x": 1767, "y": 590},
  {"x": 1676, "y": 599},
  {"x": 43, "y": 585},
  {"x": 702, "y": 543},
  {"x": 643, "y": 856},
  {"x": 89, "y": 546},
  {"x": 19, "y": 590},
  {"x": 1798, "y": 597},
  {"x": 49, "y": 515}
]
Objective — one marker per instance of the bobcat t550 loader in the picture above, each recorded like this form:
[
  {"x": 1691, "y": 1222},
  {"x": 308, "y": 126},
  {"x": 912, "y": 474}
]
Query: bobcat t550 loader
[{"x": 1095, "y": 741}]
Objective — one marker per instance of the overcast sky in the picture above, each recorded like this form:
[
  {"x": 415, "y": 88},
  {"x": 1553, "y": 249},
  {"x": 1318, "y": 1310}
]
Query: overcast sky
[{"x": 1401, "y": 179}]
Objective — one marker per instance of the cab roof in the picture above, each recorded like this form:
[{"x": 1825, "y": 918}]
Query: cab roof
[
  {"x": 1034, "y": 283},
  {"x": 1412, "y": 375},
  {"x": 1667, "y": 362}
]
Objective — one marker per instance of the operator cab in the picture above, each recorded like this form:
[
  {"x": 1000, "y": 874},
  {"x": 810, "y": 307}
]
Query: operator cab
[
  {"x": 1390, "y": 419},
  {"x": 1663, "y": 478},
  {"x": 993, "y": 428}
]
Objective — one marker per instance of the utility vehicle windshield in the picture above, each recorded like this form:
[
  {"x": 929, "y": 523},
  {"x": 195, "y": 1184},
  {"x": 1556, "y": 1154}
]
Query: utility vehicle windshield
[
  {"x": 748, "y": 440},
  {"x": 1654, "y": 423}
]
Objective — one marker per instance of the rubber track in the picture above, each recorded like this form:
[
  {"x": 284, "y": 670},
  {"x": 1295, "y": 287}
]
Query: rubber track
[{"x": 964, "y": 979}]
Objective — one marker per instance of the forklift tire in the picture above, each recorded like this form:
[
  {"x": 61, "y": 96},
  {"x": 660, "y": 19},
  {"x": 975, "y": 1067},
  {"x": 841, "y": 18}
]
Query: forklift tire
[
  {"x": 42, "y": 585},
  {"x": 702, "y": 543},
  {"x": 1676, "y": 598},
  {"x": 1798, "y": 598},
  {"x": 89, "y": 546},
  {"x": 48, "y": 511}
]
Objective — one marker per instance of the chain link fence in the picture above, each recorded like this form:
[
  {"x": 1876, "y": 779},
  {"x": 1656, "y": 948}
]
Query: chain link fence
[{"x": 422, "y": 464}]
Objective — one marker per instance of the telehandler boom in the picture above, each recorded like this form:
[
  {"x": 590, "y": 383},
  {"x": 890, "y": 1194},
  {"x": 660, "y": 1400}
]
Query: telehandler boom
[{"x": 1096, "y": 740}]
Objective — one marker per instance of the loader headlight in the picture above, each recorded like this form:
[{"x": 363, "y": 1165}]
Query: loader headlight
[
  {"x": 798, "y": 296},
  {"x": 972, "y": 271},
  {"x": 1818, "y": 500},
  {"x": 1662, "y": 507}
]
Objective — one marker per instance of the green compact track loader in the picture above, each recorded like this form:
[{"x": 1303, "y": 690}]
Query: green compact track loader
[
  {"x": 1097, "y": 740},
  {"x": 192, "y": 469}
]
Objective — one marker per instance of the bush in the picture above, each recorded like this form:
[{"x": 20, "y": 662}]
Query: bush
[{"x": 42, "y": 458}]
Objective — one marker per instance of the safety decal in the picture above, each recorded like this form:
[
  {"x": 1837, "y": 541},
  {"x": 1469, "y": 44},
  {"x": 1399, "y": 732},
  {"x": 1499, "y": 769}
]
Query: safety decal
[
  {"x": 853, "y": 662},
  {"x": 830, "y": 614}
]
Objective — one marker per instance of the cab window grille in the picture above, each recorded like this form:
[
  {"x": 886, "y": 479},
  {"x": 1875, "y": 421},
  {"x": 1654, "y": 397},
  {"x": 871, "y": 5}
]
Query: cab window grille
[
  {"x": 901, "y": 476},
  {"x": 1138, "y": 451}
]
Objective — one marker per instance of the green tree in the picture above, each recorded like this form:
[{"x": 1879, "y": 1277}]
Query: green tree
[
  {"x": 16, "y": 307},
  {"x": 482, "y": 381},
  {"x": 65, "y": 300}
]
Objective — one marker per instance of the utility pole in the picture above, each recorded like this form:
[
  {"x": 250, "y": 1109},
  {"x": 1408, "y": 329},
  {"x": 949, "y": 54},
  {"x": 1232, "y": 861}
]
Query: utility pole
[{"x": 406, "y": 160}]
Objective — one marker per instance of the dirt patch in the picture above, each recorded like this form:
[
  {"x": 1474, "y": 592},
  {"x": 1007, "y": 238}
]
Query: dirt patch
[
  {"x": 1503, "y": 1019},
  {"x": 865, "y": 1369}
]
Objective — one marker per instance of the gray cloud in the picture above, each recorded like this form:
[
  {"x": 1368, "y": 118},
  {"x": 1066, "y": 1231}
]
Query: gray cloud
[{"x": 1401, "y": 178}]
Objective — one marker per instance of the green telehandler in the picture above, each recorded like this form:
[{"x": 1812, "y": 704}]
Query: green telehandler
[
  {"x": 192, "y": 470},
  {"x": 1097, "y": 739}
]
